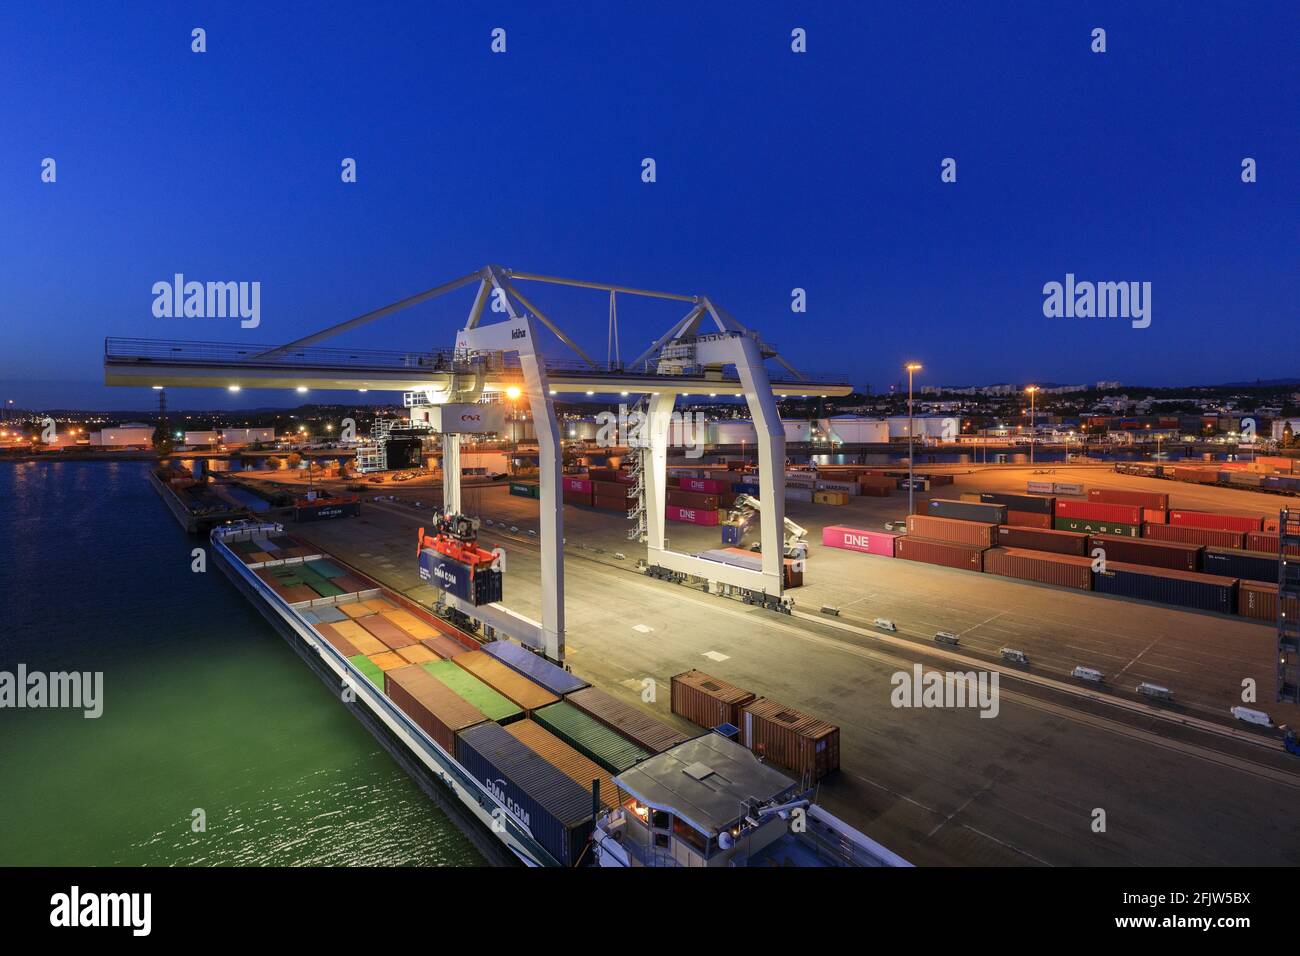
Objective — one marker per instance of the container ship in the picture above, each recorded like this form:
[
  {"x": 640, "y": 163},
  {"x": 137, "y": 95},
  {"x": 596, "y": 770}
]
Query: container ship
[{"x": 551, "y": 770}]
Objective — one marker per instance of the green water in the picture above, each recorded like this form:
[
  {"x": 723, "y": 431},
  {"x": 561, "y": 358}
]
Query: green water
[{"x": 205, "y": 706}]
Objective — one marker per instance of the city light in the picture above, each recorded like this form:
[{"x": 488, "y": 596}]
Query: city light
[
  {"x": 513, "y": 392},
  {"x": 232, "y": 388}
]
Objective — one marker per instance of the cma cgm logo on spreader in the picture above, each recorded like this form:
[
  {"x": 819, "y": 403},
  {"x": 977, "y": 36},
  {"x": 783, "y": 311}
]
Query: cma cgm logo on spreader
[
  {"x": 75, "y": 909},
  {"x": 498, "y": 790}
]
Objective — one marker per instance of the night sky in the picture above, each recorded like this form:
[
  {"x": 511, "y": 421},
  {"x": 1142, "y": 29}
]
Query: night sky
[{"x": 775, "y": 170}]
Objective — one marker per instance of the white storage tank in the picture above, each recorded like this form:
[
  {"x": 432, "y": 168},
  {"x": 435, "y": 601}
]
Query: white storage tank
[
  {"x": 732, "y": 432},
  {"x": 796, "y": 430},
  {"x": 847, "y": 429}
]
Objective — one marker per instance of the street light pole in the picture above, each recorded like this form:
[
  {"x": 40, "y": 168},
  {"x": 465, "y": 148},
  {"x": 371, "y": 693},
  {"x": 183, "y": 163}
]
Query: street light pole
[
  {"x": 911, "y": 432},
  {"x": 1032, "y": 390}
]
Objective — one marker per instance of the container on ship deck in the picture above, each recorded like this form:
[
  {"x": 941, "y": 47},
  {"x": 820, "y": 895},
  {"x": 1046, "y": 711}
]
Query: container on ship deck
[
  {"x": 854, "y": 539},
  {"x": 535, "y": 667},
  {"x": 1189, "y": 535},
  {"x": 962, "y": 556},
  {"x": 643, "y": 729},
  {"x": 361, "y": 639},
  {"x": 369, "y": 669},
  {"x": 551, "y": 806},
  {"x": 580, "y": 769},
  {"x": 1157, "y": 500},
  {"x": 706, "y": 700},
  {"x": 1204, "y": 592},
  {"x": 431, "y": 705},
  {"x": 1041, "y": 539},
  {"x": 1043, "y": 567},
  {"x": 966, "y": 511},
  {"x": 952, "y": 530},
  {"x": 1035, "y": 504},
  {"x": 493, "y": 705},
  {"x": 337, "y": 640},
  {"x": 807, "y": 746},
  {"x": 1099, "y": 511},
  {"x": 386, "y": 631},
  {"x": 1217, "y": 522},
  {"x": 1156, "y": 554},
  {"x": 503, "y": 680},
  {"x": 1249, "y": 565},
  {"x": 1083, "y": 526},
  {"x": 444, "y": 646},
  {"x": 590, "y": 737}
]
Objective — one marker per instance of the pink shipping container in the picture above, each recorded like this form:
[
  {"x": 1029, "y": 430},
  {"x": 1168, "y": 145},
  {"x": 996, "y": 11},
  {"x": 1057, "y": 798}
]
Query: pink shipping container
[
  {"x": 709, "y": 486},
  {"x": 580, "y": 485},
  {"x": 854, "y": 539},
  {"x": 691, "y": 515},
  {"x": 1098, "y": 511},
  {"x": 1218, "y": 522}
]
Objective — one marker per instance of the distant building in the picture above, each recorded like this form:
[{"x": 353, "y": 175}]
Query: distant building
[
  {"x": 202, "y": 439},
  {"x": 246, "y": 436},
  {"x": 129, "y": 435}
]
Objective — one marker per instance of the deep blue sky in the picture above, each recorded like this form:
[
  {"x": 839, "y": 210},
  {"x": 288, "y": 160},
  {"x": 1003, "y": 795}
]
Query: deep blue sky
[{"x": 775, "y": 170}]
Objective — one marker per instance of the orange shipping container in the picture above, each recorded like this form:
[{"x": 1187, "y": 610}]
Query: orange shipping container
[
  {"x": 388, "y": 660},
  {"x": 388, "y": 632},
  {"x": 707, "y": 701},
  {"x": 1258, "y": 600},
  {"x": 952, "y": 530},
  {"x": 966, "y": 557},
  {"x": 565, "y": 759},
  {"x": 359, "y": 637},
  {"x": 1029, "y": 519},
  {"x": 506, "y": 682},
  {"x": 807, "y": 746},
  {"x": 337, "y": 640}
]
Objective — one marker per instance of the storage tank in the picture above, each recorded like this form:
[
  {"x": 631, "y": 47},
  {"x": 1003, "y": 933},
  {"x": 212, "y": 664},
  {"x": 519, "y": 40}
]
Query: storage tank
[
  {"x": 798, "y": 431},
  {"x": 732, "y": 432},
  {"x": 848, "y": 429}
]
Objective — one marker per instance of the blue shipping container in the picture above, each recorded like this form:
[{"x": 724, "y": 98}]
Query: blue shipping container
[
  {"x": 1145, "y": 584},
  {"x": 966, "y": 511},
  {"x": 547, "y": 802},
  {"x": 1251, "y": 565},
  {"x": 535, "y": 667},
  {"x": 1036, "y": 504}
]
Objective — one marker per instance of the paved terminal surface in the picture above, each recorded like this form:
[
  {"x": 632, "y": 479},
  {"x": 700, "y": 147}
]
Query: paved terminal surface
[{"x": 939, "y": 786}]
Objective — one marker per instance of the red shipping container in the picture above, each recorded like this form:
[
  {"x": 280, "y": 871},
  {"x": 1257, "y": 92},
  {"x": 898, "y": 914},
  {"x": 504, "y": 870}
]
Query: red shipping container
[
  {"x": 610, "y": 488},
  {"x": 951, "y": 529},
  {"x": 1157, "y": 554},
  {"x": 1028, "y": 519},
  {"x": 875, "y": 491},
  {"x": 1157, "y": 500},
  {"x": 1063, "y": 570},
  {"x": 581, "y": 485},
  {"x": 1219, "y": 522},
  {"x": 1190, "y": 535},
  {"x": 691, "y": 515},
  {"x": 711, "y": 486},
  {"x": 692, "y": 499},
  {"x": 854, "y": 539},
  {"x": 577, "y": 498},
  {"x": 1098, "y": 511},
  {"x": 1272, "y": 525},
  {"x": 944, "y": 553},
  {"x": 1041, "y": 539},
  {"x": 1270, "y": 542},
  {"x": 609, "y": 502}
]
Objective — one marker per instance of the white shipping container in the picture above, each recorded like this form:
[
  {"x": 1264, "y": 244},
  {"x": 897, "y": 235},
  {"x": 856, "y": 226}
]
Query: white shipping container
[
  {"x": 1067, "y": 488},
  {"x": 848, "y": 487},
  {"x": 1039, "y": 488},
  {"x": 798, "y": 494}
]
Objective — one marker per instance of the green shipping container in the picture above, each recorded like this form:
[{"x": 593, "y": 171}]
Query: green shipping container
[
  {"x": 590, "y": 737},
  {"x": 525, "y": 490},
  {"x": 474, "y": 692},
  {"x": 324, "y": 588},
  {"x": 370, "y": 669},
  {"x": 1098, "y": 527}
]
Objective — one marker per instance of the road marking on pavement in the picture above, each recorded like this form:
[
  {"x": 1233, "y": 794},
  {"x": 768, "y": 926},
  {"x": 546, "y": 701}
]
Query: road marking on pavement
[
  {"x": 642, "y": 628},
  {"x": 715, "y": 656}
]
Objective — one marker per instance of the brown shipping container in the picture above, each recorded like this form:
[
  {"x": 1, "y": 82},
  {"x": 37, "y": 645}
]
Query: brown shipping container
[
  {"x": 707, "y": 701},
  {"x": 1028, "y": 519},
  {"x": 952, "y": 530},
  {"x": 609, "y": 503},
  {"x": 1209, "y": 537},
  {"x": 1270, "y": 542},
  {"x": 611, "y": 488},
  {"x": 577, "y": 498},
  {"x": 1258, "y": 600},
  {"x": 691, "y": 499},
  {"x": 873, "y": 491},
  {"x": 963, "y": 556},
  {"x": 510, "y": 684},
  {"x": 1042, "y": 539},
  {"x": 636, "y": 725},
  {"x": 807, "y": 746},
  {"x": 565, "y": 759},
  {"x": 337, "y": 640},
  {"x": 444, "y": 646},
  {"x": 1158, "y": 500},
  {"x": 359, "y": 637},
  {"x": 431, "y": 704},
  {"x": 388, "y": 632},
  {"x": 1156, "y": 554},
  {"x": 1063, "y": 570}
]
